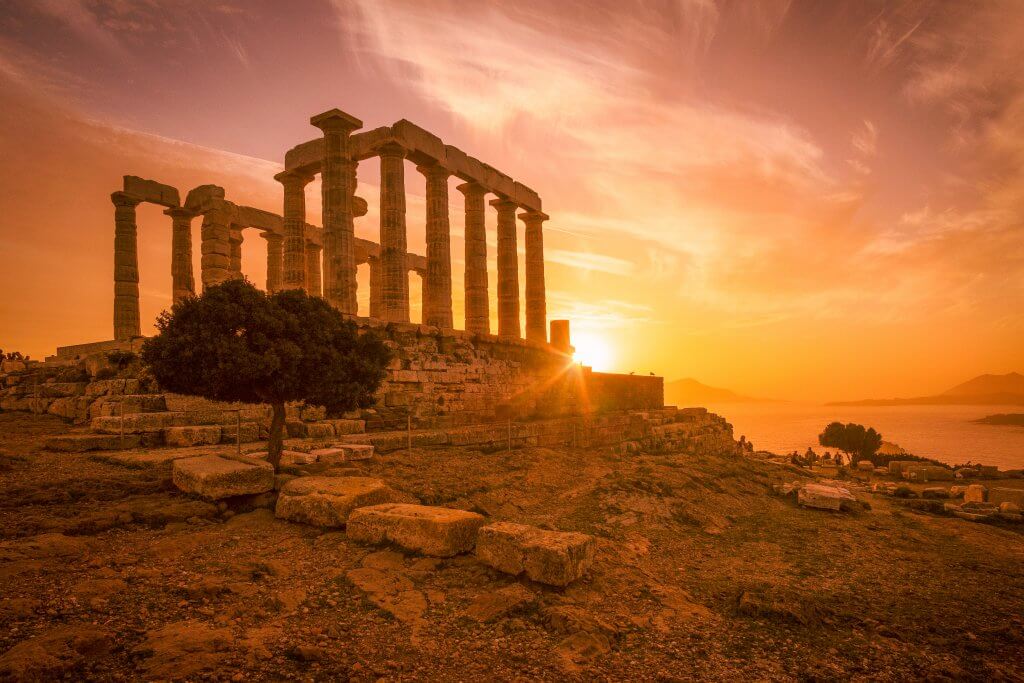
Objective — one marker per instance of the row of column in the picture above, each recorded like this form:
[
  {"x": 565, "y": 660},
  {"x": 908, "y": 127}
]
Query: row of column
[{"x": 389, "y": 282}]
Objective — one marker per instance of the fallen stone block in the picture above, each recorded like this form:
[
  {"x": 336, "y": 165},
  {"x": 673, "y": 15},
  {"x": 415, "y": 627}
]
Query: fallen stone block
[
  {"x": 556, "y": 558},
  {"x": 336, "y": 455},
  {"x": 437, "y": 531},
  {"x": 287, "y": 457},
  {"x": 343, "y": 427},
  {"x": 319, "y": 430},
  {"x": 137, "y": 422},
  {"x": 1006, "y": 495},
  {"x": 1009, "y": 507},
  {"x": 329, "y": 501},
  {"x": 973, "y": 516},
  {"x": 896, "y": 467},
  {"x": 927, "y": 473},
  {"x": 935, "y": 492},
  {"x": 865, "y": 466},
  {"x": 185, "y": 437},
  {"x": 957, "y": 491},
  {"x": 824, "y": 497},
  {"x": 250, "y": 432},
  {"x": 79, "y": 443},
  {"x": 975, "y": 493},
  {"x": 215, "y": 476}
]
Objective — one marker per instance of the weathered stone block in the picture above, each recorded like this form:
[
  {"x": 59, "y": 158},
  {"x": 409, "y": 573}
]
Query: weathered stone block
[
  {"x": 319, "y": 430},
  {"x": 137, "y": 423},
  {"x": 824, "y": 497},
  {"x": 343, "y": 427},
  {"x": 553, "y": 557},
  {"x": 215, "y": 477},
  {"x": 975, "y": 493},
  {"x": 184, "y": 437},
  {"x": 1006, "y": 495},
  {"x": 79, "y": 443},
  {"x": 343, "y": 453},
  {"x": 927, "y": 473},
  {"x": 437, "y": 531},
  {"x": 329, "y": 501},
  {"x": 250, "y": 432}
]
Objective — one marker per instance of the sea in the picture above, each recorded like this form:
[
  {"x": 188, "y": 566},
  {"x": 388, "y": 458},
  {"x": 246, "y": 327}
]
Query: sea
[{"x": 945, "y": 433}]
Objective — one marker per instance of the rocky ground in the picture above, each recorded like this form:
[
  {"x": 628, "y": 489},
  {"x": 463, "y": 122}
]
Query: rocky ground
[{"x": 108, "y": 573}]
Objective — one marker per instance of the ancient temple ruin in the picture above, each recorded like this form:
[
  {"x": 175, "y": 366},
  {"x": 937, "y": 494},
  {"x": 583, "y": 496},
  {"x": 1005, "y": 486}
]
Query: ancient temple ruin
[{"x": 323, "y": 260}]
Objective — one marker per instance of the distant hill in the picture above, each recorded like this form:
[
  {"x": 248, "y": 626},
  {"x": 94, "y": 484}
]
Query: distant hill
[
  {"x": 690, "y": 392},
  {"x": 1005, "y": 389}
]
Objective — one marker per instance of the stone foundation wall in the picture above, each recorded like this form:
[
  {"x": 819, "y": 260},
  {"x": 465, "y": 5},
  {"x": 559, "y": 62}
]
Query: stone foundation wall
[{"x": 438, "y": 377}]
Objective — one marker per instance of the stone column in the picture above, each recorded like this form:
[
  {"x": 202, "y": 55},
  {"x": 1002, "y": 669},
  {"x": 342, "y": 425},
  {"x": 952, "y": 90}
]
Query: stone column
[
  {"x": 294, "y": 228},
  {"x": 235, "y": 239},
  {"x": 338, "y": 178},
  {"x": 393, "y": 245},
  {"x": 126, "y": 267},
  {"x": 275, "y": 261},
  {"x": 183, "y": 282},
  {"x": 437, "y": 286},
  {"x": 536, "y": 298},
  {"x": 313, "y": 280},
  {"x": 508, "y": 269},
  {"x": 376, "y": 286},
  {"x": 216, "y": 245},
  {"x": 478, "y": 316}
]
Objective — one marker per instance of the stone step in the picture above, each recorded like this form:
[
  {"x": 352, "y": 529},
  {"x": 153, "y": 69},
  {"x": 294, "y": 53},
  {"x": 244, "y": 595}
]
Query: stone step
[
  {"x": 222, "y": 476},
  {"x": 329, "y": 501},
  {"x": 556, "y": 558},
  {"x": 436, "y": 531},
  {"x": 79, "y": 443}
]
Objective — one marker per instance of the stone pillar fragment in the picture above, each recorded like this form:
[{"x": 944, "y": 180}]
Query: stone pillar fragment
[
  {"x": 275, "y": 261},
  {"x": 235, "y": 240},
  {"x": 376, "y": 285},
  {"x": 536, "y": 298},
  {"x": 508, "y": 269},
  {"x": 478, "y": 316},
  {"x": 294, "y": 228},
  {"x": 313, "y": 280},
  {"x": 338, "y": 191},
  {"x": 216, "y": 247},
  {"x": 126, "y": 267},
  {"x": 183, "y": 282},
  {"x": 437, "y": 285},
  {"x": 394, "y": 275}
]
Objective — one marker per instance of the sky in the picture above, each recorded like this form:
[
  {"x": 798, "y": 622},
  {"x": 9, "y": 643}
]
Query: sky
[{"x": 792, "y": 199}]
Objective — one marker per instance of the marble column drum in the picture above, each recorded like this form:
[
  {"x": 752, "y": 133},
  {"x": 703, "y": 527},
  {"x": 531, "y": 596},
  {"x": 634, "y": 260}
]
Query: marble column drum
[
  {"x": 183, "y": 282},
  {"x": 275, "y": 261},
  {"x": 126, "y": 267},
  {"x": 536, "y": 297},
  {"x": 294, "y": 228},
  {"x": 394, "y": 275},
  {"x": 508, "y": 269},
  {"x": 478, "y": 316},
  {"x": 437, "y": 285}
]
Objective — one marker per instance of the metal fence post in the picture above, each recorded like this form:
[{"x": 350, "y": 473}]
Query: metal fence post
[
  {"x": 408, "y": 432},
  {"x": 120, "y": 407},
  {"x": 510, "y": 435},
  {"x": 238, "y": 432}
]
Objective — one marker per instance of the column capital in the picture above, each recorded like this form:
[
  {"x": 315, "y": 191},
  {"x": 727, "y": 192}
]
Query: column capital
[
  {"x": 392, "y": 149},
  {"x": 434, "y": 170},
  {"x": 293, "y": 178},
  {"x": 503, "y": 204},
  {"x": 124, "y": 199},
  {"x": 313, "y": 246},
  {"x": 532, "y": 216},
  {"x": 335, "y": 121},
  {"x": 180, "y": 212},
  {"x": 472, "y": 189}
]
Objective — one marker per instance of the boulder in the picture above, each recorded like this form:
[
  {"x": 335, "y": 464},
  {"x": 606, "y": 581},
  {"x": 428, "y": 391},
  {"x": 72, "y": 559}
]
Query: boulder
[
  {"x": 975, "y": 493},
  {"x": 824, "y": 497},
  {"x": 343, "y": 453},
  {"x": 556, "y": 558},
  {"x": 184, "y": 437},
  {"x": 1006, "y": 495},
  {"x": 329, "y": 501},
  {"x": 437, "y": 531},
  {"x": 221, "y": 476}
]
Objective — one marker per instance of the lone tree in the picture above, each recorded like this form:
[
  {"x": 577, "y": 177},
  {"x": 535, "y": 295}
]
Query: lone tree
[
  {"x": 236, "y": 343},
  {"x": 852, "y": 439}
]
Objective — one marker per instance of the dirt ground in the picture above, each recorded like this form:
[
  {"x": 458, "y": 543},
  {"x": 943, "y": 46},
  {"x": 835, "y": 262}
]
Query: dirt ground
[{"x": 108, "y": 573}]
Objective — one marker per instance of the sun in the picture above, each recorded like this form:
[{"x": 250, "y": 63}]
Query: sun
[{"x": 593, "y": 351}]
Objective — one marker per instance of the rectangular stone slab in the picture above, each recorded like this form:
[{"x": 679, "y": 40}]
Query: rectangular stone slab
[
  {"x": 343, "y": 453},
  {"x": 215, "y": 477},
  {"x": 329, "y": 501},
  {"x": 184, "y": 437},
  {"x": 556, "y": 558},
  {"x": 437, "y": 531},
  {"x": 823, "y": 497}
]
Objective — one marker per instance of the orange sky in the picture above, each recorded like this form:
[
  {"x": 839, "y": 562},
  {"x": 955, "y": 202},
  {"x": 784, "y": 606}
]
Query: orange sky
[{"x": 800, "y": 200}]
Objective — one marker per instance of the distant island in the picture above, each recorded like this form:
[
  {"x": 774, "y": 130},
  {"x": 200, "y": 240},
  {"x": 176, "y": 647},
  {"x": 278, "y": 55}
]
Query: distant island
[
  {"x": 689, "y": 391},
  {"x": 1005, "y": 389},
  {"x": 1015, "y": 419}
]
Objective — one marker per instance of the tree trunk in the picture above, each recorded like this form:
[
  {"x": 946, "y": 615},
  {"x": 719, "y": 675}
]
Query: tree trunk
[{"x": 276, "y": 443}]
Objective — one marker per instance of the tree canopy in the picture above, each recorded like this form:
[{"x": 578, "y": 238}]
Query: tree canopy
[
  {"x": 853, "y": 439},
  {"x": 236, "y": 343}
]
